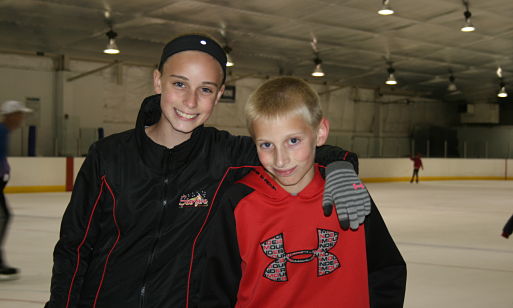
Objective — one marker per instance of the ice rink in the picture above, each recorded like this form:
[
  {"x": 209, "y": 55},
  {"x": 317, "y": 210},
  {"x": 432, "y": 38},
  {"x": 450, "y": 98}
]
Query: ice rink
[{"x": 448, "y": 233}]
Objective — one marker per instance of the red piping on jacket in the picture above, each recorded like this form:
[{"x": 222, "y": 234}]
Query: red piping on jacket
[
  {"x": 115, "y": 243},
  {"x": 203, "y": 226},
  {"x": 104, "y": 182}
]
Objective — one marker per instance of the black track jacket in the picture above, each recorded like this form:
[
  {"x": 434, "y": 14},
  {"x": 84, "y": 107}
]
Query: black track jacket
[{"x": 131, "y": 234}]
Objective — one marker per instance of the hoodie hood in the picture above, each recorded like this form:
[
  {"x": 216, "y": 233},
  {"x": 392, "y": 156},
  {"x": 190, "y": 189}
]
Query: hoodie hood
[{"x": 264, "y": 184}]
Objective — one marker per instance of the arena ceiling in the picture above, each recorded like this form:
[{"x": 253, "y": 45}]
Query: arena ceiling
[{"x": 422, "y": 40}]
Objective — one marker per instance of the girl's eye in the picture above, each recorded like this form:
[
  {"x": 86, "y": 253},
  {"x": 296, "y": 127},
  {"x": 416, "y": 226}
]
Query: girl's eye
[
  {"x": 179, "y": 84},
  {"x": 293, "y": 141},
  {"x": 207, "y": 90}
]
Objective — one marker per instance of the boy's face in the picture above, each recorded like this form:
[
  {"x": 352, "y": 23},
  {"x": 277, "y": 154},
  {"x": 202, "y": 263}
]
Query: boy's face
[
  {"x": 190, "y": 87},
  {"x": 286, "y": 149}
]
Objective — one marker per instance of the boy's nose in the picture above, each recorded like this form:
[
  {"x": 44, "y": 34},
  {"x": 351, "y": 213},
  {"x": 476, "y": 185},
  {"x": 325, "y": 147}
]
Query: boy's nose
[{"x": 281, "y": 157}]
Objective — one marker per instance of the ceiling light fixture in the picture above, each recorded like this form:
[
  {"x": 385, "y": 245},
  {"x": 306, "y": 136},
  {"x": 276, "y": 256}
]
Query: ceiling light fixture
[
  {"x": 468, "y": 26},
  {"x": 502, "y": 90},
  {"x": 502, "y": 85},
  {"x": 318, "y": 72},
  {"x": 452, "y": 86},
  {"x": 229, "y": 60},
  {"x": 386, "y": 9},
  {"x": 112, "y": 47},
  {"x": 391, "y": 81}
]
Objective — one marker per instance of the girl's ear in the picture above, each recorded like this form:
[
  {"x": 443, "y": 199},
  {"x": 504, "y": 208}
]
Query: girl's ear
[
  {"x": 156, "y": 82},
  {"x": 219, "y": 94}
]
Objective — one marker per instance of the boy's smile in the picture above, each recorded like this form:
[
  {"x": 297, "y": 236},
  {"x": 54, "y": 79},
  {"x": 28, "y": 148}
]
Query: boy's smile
[{"x": 286, "y": 149}]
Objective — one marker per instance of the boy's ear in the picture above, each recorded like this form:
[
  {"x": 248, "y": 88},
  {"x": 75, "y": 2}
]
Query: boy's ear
[
  {"x": 157, "y": 87},
  {"x": 323, "y": 131}
]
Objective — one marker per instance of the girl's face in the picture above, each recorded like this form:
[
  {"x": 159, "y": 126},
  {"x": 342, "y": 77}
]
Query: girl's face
[{"x": 190, "y": 87}]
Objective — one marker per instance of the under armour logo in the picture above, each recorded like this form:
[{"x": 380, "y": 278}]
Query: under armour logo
[
  {"x": 275, "y": 248},
  {"x": 356, "y": 186}
]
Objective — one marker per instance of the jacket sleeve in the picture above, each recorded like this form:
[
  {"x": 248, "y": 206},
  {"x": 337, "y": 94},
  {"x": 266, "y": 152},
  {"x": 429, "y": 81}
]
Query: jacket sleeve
[
  {"x": 237, "y": 150},
  {"x": 73, "y": 250},
  {"x": 222, "y": 274},
  {"x": 386, "y": 266},
  {"x": 327, "y": 154},
  {"x": 508, "y": 227}
]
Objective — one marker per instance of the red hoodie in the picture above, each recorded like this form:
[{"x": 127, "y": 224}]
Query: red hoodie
[
  {"x": 268, "y": 248},
  {"x": 293, "y": 256}
]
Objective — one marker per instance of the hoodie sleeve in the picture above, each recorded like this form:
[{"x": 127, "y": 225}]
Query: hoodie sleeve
[
  {"x": 223, "y": 272},
  {"x": 386, "y": 266}
]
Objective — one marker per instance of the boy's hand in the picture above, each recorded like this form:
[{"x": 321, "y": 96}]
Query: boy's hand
[{"x": 346, "y": 192}]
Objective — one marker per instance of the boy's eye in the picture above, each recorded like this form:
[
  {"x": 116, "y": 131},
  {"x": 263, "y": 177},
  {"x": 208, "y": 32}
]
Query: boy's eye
[
  {"x": 265, "y": 145},
  {"x": 294, "y": 140}
]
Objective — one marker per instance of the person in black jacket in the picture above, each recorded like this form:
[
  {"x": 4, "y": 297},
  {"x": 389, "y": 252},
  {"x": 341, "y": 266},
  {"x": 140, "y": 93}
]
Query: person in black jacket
[
  {"x": 508, "y": 228},
  {"x": 131, "y": 233}
]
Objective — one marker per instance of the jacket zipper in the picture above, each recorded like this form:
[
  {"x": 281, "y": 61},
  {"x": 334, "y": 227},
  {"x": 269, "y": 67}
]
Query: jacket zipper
[
  {"x": 142, "y": 292},
  {"x": 152, "y": 255}
]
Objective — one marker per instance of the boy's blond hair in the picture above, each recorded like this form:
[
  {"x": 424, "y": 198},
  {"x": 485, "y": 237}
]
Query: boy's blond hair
[{"x": 283, "y": 96}]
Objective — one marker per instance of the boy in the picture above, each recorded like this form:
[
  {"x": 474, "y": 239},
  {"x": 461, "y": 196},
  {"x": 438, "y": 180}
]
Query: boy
[
  {"x": 130, "y": 236},
  {"x": 268, "y": 244}
]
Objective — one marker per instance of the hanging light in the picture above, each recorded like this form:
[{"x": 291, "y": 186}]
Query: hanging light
[
  {"x": 452, "y": 86},
  {"x": 502, "y": 85},
  {"x": 112, "y": 47},
  {"x": 229, "y": 60},
  {"x": 391, "y": 81},
  {"x": 468, "y": 26},
  {"x": 502, "y": 90},
  {"x": 386, "y": 9},
  {"x": 318, "y": 72}
]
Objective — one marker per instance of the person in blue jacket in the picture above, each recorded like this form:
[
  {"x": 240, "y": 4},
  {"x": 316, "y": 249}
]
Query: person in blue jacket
[{"x": 13, "y": 113}]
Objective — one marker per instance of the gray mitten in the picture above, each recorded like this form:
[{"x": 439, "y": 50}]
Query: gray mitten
[{"x": 346, "y": 192}]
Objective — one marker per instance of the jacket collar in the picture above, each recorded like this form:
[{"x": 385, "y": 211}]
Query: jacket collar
[
  {"x": 264, "y": 184},
  {"x": 157, "y": 157}
]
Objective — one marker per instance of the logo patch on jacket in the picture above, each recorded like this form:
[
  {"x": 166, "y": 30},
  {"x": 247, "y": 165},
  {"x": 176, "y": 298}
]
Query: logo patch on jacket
[
  {"x": 194, "y": 199},
  {"x": 274, "y": 248}
]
